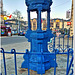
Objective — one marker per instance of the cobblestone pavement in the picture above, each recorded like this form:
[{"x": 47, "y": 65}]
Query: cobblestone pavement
[{"x": 21, "y": 47}]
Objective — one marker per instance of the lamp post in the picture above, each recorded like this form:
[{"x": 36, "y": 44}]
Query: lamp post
[{"x": 18, "y": 25}]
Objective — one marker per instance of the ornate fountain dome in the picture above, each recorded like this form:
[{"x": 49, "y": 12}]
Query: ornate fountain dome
[{"x": 36, "y": 4}]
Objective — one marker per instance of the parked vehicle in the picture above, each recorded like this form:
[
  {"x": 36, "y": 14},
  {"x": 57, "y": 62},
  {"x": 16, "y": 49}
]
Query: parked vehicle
[
  {"x": 22, "y": 33},
  {"x": 14, "y": 32},
  {"x": 5, "y": 31}
]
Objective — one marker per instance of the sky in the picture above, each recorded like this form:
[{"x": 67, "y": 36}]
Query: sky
[{"x": 58, "y": 8}]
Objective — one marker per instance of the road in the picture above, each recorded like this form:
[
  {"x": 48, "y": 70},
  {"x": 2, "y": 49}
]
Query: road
[
  {"x": 20, "y": 44},
  {"x": 12, "y": 40}
]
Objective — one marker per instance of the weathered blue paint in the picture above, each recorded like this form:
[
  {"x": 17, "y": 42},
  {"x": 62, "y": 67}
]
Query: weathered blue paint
[
  {"x": 67, "y": 62},
  {"x": 61, "y": 47},
  {"x": 68, "y": 52},
  {"x": 28, "y": 60},
  {"x": 39, "y": 38},
  {"x": 55, "y": 64},
  {"x": 4, "y": 61},
  {"x": 13, "y": 51},
  {"x": 71, "y": 62},
  {"x": 39, "y": 58}
]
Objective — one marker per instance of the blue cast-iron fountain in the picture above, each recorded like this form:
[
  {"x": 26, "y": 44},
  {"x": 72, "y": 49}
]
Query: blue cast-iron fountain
[
  {"x": 38, "y": 58},
  {"x": 39, "y": 39}
]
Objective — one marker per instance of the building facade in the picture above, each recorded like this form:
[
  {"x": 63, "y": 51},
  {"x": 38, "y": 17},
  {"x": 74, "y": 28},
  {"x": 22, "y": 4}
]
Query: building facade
[
  {"x": 1, "y": 7},
  {"x": 71, "y": 27},
  {"x": 55, "y": 24},
  {"x": 33, "y": 24},
  {"x": 1, "y": 12},
  {"x": 13, "y": 23}
]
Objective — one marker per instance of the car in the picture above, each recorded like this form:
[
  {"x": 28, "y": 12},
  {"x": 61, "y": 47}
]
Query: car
[
  {"x": 22, "y": 33},
  {"x": 14, "y": 32}
]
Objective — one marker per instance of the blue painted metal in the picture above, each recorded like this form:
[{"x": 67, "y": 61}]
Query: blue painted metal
[
  {"x": 4, "y": 61},
  {"x": 0, "y": 73},
  {"x": 71, "y": 62},
  {"x": 69, "y": 52},
  {"x": 72, "y": 70},
  {"x": 69, "y": 65},
  {"x": 63, "y": 43},
  {"x": 41, "y": 63},
  {"x": 28, "y": 61},
  {"x": 55, "y": 64},
  {"x": 13, "y": 51},
  {"x": 62, "y": 47},
  {"x": 39, "y": 58},
  {"x": 67, "y": 62},
  {"x": 39, "y": 38}
]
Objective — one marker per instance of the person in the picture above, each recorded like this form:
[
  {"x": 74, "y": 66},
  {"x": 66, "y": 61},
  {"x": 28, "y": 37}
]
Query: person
[{"x": 58, "y": 33}]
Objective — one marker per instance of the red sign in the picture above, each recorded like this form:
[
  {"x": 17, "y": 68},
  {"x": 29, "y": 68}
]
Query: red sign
[
  {"x": 68, "y": 23},
  {"x": 10, "y": 16}
]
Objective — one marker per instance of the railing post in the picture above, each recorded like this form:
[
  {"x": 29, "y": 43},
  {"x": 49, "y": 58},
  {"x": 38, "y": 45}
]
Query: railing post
[
  {"x": 63, "y": 43},
  {"x": 70, "y": 65},
  {"x": 67, "y": 62},
  {"x": 72, "y": 70},
  {"x": 4, "y": 61},
  {"x": 13, "y": 51},
  {"x": 55, "y": 63},
  {"x": 70, "y": 62}
]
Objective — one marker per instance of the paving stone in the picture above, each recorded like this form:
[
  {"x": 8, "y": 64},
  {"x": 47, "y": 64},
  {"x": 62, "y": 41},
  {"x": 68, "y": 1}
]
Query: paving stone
[{"x": 21, "y": 47}]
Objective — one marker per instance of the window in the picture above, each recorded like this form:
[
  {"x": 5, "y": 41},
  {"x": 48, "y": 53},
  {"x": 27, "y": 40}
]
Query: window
[
  {"x": 51, "y": 24},
  {"x": 57, "y": 25}
]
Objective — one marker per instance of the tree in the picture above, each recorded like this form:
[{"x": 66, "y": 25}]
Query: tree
[{"x": 17, "y": 14}]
